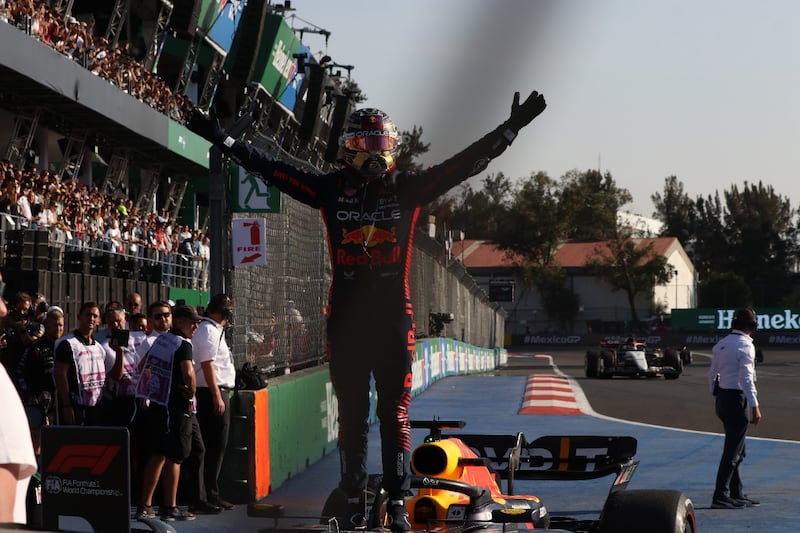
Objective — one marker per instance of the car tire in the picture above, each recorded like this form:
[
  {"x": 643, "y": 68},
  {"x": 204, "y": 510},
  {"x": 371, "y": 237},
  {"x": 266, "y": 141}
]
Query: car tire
[
  {"x": 377, "y": 502},
  {"x": 673, "y": 359},
  {"x": 686, "y": 356},
  {"x": 651, "y": 510},
  {"x": 592, "y": 364},
  {"x": 595, "y": 367},
  {"x": 606, "y": 365}
]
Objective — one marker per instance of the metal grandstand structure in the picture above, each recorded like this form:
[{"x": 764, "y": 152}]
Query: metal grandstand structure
[{"x": 298, "y": 268}]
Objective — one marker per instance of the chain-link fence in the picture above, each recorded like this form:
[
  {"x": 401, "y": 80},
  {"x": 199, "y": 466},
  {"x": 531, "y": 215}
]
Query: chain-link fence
[{"x": 280, "y": 321}]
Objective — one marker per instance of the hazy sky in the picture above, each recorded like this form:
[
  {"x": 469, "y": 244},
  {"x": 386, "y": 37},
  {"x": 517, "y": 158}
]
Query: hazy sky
[{"x": 707, "y": 90}]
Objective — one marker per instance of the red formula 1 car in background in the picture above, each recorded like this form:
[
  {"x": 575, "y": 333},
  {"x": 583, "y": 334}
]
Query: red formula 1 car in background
[{"x": 633, "y": 358}]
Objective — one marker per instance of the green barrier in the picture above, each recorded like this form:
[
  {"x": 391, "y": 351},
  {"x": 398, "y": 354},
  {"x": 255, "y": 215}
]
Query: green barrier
[
  {"x": 303, "y": 409},
  {"x": 303, "y": 423}
]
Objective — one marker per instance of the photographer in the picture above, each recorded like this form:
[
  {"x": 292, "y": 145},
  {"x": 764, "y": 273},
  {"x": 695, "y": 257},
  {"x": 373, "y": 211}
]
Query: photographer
[
  {"x": 19, "y": 331},
  {"x": 34, "y": 375}
]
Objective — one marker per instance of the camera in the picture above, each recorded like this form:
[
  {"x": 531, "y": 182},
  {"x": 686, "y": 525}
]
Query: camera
[
  {"x": 120, "y": 337},
  {"x": 436, "y": 322}
]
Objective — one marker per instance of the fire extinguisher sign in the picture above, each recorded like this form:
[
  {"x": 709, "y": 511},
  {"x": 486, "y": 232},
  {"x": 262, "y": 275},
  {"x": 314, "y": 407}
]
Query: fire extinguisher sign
[{"x": 249, "y": 236}]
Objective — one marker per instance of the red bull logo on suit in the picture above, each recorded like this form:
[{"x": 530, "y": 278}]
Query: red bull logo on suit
[{"x": 368, "y": 236}]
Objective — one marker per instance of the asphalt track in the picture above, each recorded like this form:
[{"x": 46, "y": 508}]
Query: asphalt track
[
  {"x": 685, "y": 403},
  {"x": 670, "y": 458}
]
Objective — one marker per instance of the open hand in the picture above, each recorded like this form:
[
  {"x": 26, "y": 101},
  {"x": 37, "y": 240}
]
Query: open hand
[
  {"x": 205, "y": 125},
  {"x": 522, "y": 115}
]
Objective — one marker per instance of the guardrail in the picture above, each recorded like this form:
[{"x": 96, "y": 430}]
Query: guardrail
[{"x": 60, "y": 250}]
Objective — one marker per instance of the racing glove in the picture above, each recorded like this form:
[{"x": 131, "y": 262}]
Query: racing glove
[
  {"x": 206, "y": 125},
  {"x": 522, "y": 115}
]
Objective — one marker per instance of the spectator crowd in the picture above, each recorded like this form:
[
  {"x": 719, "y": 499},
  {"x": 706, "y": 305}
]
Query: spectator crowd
[
  {"x": 99, "y": 370},
  {"x": 114, "y": 62},
  {"x": 107, "y": 369},
  {"x": 79, "y": 217}
]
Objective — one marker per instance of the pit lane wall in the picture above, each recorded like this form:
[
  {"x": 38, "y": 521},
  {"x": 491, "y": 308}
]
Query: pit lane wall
[{"x": 277, "y": 432}]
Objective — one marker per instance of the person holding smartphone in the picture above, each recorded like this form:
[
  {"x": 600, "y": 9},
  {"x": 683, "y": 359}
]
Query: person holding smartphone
[{"x": 121, "y": 370}]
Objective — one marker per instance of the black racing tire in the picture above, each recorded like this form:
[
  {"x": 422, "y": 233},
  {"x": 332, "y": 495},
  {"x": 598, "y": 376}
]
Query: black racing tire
[
  {"x": 759, "y": 355},
  {"x": 607, "y": 365},
  {"x": 592, "y": 363},
  {"x": 377, "y": 502},
  {"x": 686, "y": 356},
  {"x": 651, "y": 510},
  {"x": 672, "y": 358}
]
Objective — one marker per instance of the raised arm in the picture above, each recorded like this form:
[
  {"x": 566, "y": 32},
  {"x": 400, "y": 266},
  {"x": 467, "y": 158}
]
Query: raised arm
[
  {"x": 300, "y": 185},
  {"x": 474, "y": 159}
]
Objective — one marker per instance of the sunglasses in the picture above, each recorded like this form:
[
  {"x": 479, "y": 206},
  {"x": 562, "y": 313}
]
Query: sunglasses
[{"x": 161, "y": 315}]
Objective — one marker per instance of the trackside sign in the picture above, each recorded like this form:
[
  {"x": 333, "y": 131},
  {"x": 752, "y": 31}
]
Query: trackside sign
[
  {"x": 769, "y": 319},
  {"x": 86, "y": 473}
]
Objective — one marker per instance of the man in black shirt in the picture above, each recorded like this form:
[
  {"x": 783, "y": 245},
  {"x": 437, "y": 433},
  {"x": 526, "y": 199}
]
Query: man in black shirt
[{"x": 167, "y": 385}]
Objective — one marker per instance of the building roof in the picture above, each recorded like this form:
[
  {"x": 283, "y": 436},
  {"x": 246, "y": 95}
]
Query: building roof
[{"x": 486, "y": 254}]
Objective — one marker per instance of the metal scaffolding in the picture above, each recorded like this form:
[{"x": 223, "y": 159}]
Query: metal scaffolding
[
  {"x": 22, "y": 137},
  {"x": 118, "y": 15},
  {"x": 159, "y": 36}
]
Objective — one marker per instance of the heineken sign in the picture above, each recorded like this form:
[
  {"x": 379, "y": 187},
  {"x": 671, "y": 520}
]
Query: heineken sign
[{"x": 769, "y": 319}]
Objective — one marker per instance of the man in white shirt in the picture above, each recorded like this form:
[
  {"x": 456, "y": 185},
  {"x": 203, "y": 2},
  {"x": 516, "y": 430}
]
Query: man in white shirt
[
  {"x": 216, "y": 377},
  {"x": 24, "y": 208},
  {"x": 732, "y": 379},
  {"x": 159, "y": 315}
]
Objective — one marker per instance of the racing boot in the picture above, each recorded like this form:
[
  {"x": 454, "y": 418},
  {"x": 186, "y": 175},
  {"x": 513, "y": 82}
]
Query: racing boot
[
  {"x": 347, "y": 512},
  {"x": 354, "y": 519},
  {"x": 397, "y": 516}
]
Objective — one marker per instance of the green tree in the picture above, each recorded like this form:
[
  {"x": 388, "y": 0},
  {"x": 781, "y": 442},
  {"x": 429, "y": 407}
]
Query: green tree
[
  {"x": 629, "y": 265},
  {"x": 531, "y": 230},
  {"x": 676, "y": 210},
  {"x": 762, "y": 235},
  {"x": 590, "y": 201},
  {"x": 534, "y": 224},
  {"x": 476, "y": 213},
  {"x": 411, "y": 148},
  {"x": 711, "y": 251},
  {"x": 724, "y": 289}
]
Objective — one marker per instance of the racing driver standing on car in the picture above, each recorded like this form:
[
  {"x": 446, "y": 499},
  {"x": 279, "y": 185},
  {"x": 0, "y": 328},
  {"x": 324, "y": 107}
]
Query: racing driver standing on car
[{"x": 370, "y": 210}]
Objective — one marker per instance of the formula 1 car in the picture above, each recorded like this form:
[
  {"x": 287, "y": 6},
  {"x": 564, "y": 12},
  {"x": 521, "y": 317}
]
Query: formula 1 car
[
  {"x": 457, "y": 479},
  {"x": 632, "y": 358}
]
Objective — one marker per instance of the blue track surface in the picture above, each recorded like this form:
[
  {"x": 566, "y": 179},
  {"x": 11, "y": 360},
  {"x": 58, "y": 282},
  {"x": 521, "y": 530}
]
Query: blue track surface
[{"x": 670, "y": 459}]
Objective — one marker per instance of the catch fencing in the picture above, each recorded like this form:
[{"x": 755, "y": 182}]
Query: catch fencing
[
  {"x": 280, "y": 307},
  {"x": 279, "y": 322}
]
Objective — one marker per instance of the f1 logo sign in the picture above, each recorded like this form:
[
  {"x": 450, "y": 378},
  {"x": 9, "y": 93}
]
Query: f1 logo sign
[{"x": 95, "y": 457}]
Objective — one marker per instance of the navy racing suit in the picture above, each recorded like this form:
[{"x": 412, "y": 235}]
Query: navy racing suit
[{"x": 370, "y": 323}]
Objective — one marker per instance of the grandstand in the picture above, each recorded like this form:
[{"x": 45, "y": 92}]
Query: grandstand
[{"x": 93, "y": 102}]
